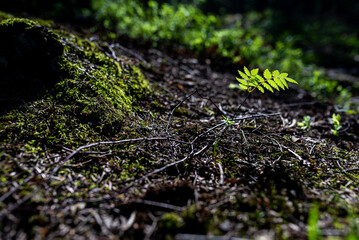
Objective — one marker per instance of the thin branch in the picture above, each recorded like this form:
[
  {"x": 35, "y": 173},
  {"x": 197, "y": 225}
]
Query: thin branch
[
  {"x": 128, "y": 222},
  {"x": 152, "y": 228},
  {"x": 221, "y": 179},
  {"x": 245, "y": 99},
  {"x": 294, "y": 153},
  {"x": 67, "y": 159},
  {"x": 159, "y": 204}
]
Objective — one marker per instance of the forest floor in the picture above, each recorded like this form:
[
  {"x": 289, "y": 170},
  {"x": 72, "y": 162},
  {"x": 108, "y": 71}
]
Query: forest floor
[{"x": 179, "y": 170}]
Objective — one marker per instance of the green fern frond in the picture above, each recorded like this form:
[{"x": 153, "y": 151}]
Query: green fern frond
[{"x": 250, "y": 80}]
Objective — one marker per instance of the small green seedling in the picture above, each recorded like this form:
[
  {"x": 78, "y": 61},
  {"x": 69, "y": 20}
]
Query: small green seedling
[
  {"x": 251, "y": 80},
  {"x": 305, "y": 124},
  {"x": 227, "y": 121},
  {"x": 215, "y": 147},
  {"x": 336, "y": 123},
  {"x": 313, "y": 218}
]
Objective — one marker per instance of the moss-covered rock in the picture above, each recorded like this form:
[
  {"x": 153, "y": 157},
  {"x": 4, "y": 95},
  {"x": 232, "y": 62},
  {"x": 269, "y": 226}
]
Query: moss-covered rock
[
  {"x": 69, "y": 90},
  {"x": 57, "y": 91}
]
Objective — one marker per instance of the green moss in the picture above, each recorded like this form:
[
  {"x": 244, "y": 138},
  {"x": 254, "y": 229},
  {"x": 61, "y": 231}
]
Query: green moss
[
  {"x": 85, "y": 95},
  {"x": 11, "y": 20},
  {"x": 16, "y": 21},
  {"x": 172, "y": 221},
  {"x": 4, "y": 16},
  {"x": 170, "y": 224},
  {"x": 102, "y": 90}
]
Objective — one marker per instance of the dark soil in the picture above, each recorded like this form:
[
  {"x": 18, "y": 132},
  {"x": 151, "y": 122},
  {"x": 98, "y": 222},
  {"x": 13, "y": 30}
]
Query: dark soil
[
  {"x": 185, "y": 172},
  {"x": 28, "y": 62}
]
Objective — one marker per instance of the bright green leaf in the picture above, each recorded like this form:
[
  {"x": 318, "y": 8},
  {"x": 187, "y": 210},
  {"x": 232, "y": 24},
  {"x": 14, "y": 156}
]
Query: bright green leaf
[
  {"x": 275, "y": 73},
  {"x": 254, "y": 72},
  {"x": 247, "y": 71},
  {"x": 244, "y": 76},
  {"x": 273, "y": 84},
  {"x": 242, "y": 81},
  {"x": 233, "y": 86},
  {"x": 267, "y": 86},
  {"x": 336, "y": 118},
  {"x": 267, "y": 74},
  {"x": 243, "y": 87},
  {"x": 283, "y": 75},
  {"x": 291, "y": 80},
  {"x": 284, "y": 82},
  {"x": 260, "y": 89},
  {"x": 253, "y": 80},
  {"x": 279, "y": 83},
  {"x": 260, "y": 78}
]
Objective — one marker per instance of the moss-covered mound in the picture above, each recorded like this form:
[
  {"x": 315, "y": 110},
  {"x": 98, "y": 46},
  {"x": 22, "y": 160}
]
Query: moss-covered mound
[
  {"x": 61, "y": 88},
  {"x": 57, "y": 91}
]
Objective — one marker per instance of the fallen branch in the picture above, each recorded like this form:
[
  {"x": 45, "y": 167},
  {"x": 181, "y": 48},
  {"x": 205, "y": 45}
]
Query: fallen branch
[
  {"x": 158, "y": 204},
  {"x": 67, "y": 159}
]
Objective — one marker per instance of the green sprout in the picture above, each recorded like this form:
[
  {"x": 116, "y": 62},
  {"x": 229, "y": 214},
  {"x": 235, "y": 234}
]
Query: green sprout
[
  {"x": 227, "y": 121},
  {"x": 305, "y": 124},
  {"x": 215, "y": 147},
  {"x": 336, "y": 123},
  {"x": 313, "y": 218}
]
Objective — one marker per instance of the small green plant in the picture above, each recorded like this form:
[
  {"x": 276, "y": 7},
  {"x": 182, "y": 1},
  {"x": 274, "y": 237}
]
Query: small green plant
[
  {"x": 313, "y": 219},
  {"x": 251, "y": 80},
  {"x": 227, "y": 121},
  {"x": 336, "y": 123},
  {"x": 352, "y": 236},
  {"x": 353, "y": 220},
  {"x": 215, "y": 147},
  {"x": 305, "y": 124}
]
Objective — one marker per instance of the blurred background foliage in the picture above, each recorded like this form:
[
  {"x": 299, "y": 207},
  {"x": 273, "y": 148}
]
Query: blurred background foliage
[{"x": 304, "y": 38}]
